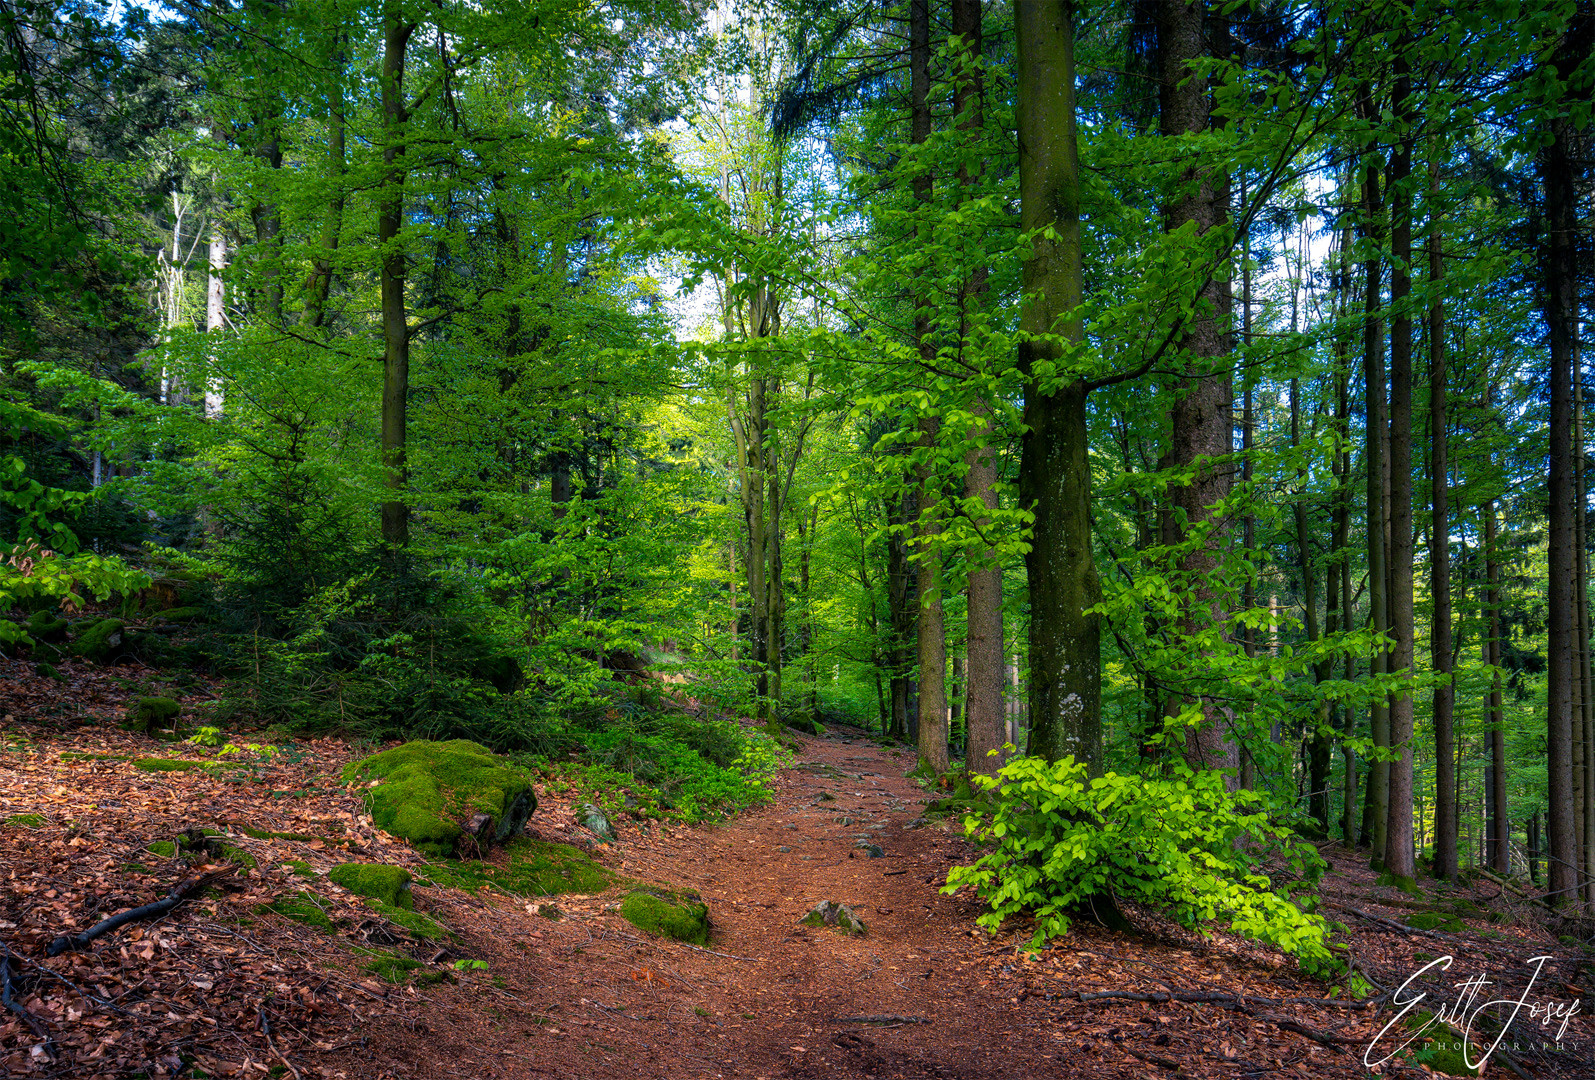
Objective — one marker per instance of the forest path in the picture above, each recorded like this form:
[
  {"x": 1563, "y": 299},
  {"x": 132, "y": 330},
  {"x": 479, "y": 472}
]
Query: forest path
[
  {"x": 773, "y": 999},
  {"x": 600, "y": 999}
]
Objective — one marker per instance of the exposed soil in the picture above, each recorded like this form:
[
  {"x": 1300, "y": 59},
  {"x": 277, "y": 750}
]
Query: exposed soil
[{"x": 921, "y": 994}]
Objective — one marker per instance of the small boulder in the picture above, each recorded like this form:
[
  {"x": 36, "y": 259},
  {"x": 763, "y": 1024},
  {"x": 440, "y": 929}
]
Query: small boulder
[
  {"x": 99, "y": 640},
  {"x": 433, "y": 793},
  {"x": 837, "y": 916},
  {"x": 595, "y": 821},
  {"x": 680, "y": 915},
  {"x": 43, "y": 626},
  {"x": 180, "y": 614},
  {"x": 875, "y": 851},
  {"x": 149, "y": 713},
  {"x": 375, "y": 881}
]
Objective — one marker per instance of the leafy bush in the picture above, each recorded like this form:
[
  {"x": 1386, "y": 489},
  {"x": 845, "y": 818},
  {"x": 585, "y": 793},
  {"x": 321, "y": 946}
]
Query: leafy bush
[{"x": 1183, "y": 844}]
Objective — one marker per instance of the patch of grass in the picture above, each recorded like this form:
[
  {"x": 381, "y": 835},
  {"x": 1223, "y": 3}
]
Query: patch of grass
[
  {"x": 534, "y": 868},
  {"x": 303, "y": 906},
  {"x": 159, "y": 764},
  {"x": 25, "y": 821}
]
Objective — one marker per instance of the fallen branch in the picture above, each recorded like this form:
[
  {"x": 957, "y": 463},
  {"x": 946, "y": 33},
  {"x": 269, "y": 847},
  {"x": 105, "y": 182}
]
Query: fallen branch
[
  {"x": 265, "y": 1029},
  {"x": 1229, "y": 1001},
  {"x": 711, "y": 952},
  {"x": 1391, "y": 924},
  {"x": 879, "y": 1020},
  {"x": 182, "y": 892},
  {"x": 1153, "y": 1059},
  {"x": 34, "y": 1023}
]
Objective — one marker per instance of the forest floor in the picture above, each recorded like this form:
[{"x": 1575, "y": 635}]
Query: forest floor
[{"x": 222, "y": 987}]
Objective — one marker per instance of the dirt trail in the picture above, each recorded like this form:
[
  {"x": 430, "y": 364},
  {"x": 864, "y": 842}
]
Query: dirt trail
[{"x": 595, "y": 998}]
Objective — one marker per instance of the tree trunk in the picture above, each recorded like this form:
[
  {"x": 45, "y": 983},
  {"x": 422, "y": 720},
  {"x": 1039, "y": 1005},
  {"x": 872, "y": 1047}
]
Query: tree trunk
[
  {"x": 1445, "y": 807},
  {"x": 1399, "y": 854},
  {"x": 1558, "y": 174},
  {"x": 395, "y": 328},
  {"x": 1202, "y": 421},
  {"x": 320, "y": 284},
  {"x": 215, "y": 317},
  {"x": 1499, "y": 824},
  {"x": 1377, "y": 802},
  {"x": 1054, "y": 468},
  {"x": 984, "y": 724}
]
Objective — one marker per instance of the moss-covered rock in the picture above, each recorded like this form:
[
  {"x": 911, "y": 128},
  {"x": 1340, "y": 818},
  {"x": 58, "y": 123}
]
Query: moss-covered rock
[
  {"x": 303, "y": 906},
  {"x": 389, "y": 884},
  {"x": 149, "y": 713},
  {"x": 44, "y": 626},
  {"x": 164, "y": 848},
  {"x": 677, "y": 914},
  {"x": 181, "y": 614},
  {"x": 837, "y": 916},
  {"x": 434, "y": 794},
  {"x": 531, "y": 868},
  {"x": 25, "y": 821},
  {"x": 99, "y": 640},
  {"x": 48, "y": 671},
  {"x": 162, "y": 764},
  {"x": 1433, "y": 920}
]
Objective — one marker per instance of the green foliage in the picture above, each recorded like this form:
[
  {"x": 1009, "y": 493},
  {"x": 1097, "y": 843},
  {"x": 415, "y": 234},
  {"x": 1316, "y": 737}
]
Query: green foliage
[
  {"x": 157, "y": 764},
  {"x": 1184, "y": 845},
  {"x": 24, "y": 821},
  {"x": 429, "y": 790}
]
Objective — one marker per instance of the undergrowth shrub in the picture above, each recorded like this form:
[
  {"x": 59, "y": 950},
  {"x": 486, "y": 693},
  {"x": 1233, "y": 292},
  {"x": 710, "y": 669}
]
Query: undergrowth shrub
[{"x": 1182, "y": 844}]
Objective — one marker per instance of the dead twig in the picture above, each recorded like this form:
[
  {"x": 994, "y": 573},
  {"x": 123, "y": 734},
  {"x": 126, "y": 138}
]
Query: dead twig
[{"x": 265, "y": 1029}]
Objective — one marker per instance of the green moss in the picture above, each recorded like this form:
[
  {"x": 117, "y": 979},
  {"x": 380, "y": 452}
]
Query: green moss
[
  {"x": 679, "y": 915},
  {"x": 390, "y": 967},
  {"x": 97, "y": 642},
  {"x": 1441, "y": 1048},
  {"x": 389, "y": 884},
  {"x": 43, "y": 626},
  {"x": 48, "y": 671},
  {"x": 836, "y": 916},
  {"x": 532, "y": 868},
  {"x": 74, "y": 755},
  {"x": 1393, "y": 880},
  {"x": 431, "y": 789},
  {"x": 304, "y": 906},
  {"x": 149, "y": 713},
  {"x": 262, "y": 834},
  {"x": 432, "y": 978},
  {"x": 302, "y": 869},
  {"x": 180, "y": 614},
  {"x": 236, "y": 855},
  {"x": 25, "y": 821},
  {"x": 164, "y": 848},
  {"x": 1433, "y": 920},
  {"x": 134, "y": 868},
  {"x": 161, "y": 764},
  {"x": 421, "y": 926}
]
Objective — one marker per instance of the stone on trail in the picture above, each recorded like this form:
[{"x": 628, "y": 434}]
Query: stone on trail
[
  {"x": 595, "y": 821},
  {"x": 875, "y": 850},
  {"x": 837, "y": 916},
  {"x": 677, "y": 914},
  {"x": 434, "y": 794}
]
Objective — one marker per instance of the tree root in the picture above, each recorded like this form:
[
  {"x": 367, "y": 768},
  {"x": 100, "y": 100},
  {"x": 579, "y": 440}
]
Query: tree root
[
  {"x": 181, "y": 892},
  {"x": 34, "y": 1023}
]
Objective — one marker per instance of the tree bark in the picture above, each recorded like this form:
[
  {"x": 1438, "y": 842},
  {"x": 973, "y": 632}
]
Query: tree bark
[
  {"x": 1558, "y": 175},
  {"x": 1377, "y": 801},
  {"x": 1202, "y": 421},
  {"x": 395, "y": 328},
  {"x": 320, "y": 284},
  {"x": 1054, "y": 468},
  {"x": 984, "y": 724},
  {"x": 1399, "y": 853},
  {"x": 1445, "y": 807}
]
